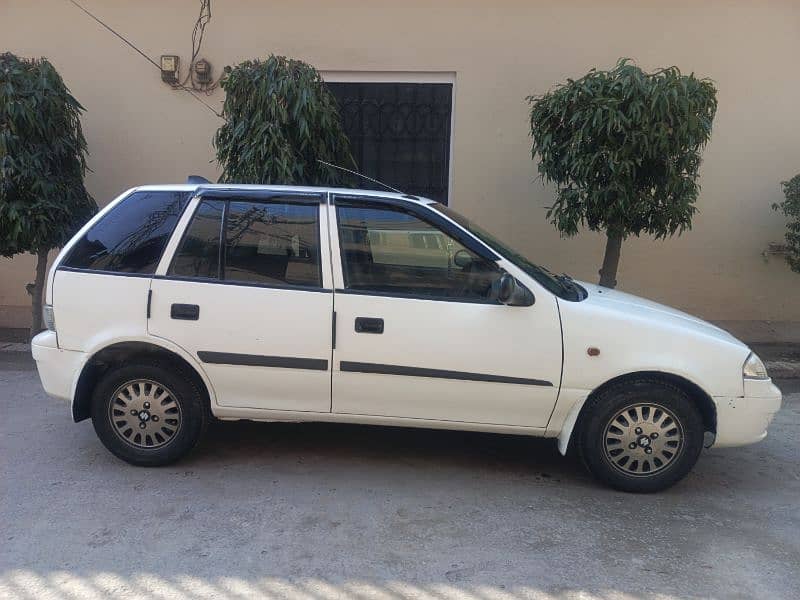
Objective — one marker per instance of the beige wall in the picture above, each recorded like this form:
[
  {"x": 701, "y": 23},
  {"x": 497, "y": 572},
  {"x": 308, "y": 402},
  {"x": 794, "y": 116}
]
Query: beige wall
[{"x": 140, "y": 131}]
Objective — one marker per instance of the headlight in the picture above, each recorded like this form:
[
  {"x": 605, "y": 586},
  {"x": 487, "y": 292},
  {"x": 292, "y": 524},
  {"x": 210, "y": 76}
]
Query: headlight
[
  {"x": 48, "y": 317},
  {"x": 753, "y": 368}
]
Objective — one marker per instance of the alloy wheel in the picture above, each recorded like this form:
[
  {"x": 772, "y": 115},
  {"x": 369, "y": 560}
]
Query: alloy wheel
[
  {"x": 144, "y": 414},
  {"x": 643, "y": 439}
]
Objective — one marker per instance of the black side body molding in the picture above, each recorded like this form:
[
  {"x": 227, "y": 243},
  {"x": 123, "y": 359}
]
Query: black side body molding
[
  {"x": 360, "y": 367},
  {"x": 257, "y": 360}
]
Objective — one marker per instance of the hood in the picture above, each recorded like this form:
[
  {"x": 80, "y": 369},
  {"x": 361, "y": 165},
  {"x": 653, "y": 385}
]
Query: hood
[{"x": 635, "y": 306}]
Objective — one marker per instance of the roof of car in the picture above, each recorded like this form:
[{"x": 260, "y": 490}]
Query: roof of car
[{"x": 366, "y": 194}]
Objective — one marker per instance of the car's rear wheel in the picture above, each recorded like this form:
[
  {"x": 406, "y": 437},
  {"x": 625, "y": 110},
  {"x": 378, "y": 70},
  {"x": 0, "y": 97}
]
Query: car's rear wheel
[
  {"x": 147, "y": 414},
  {"x": 640, "y": 436}
]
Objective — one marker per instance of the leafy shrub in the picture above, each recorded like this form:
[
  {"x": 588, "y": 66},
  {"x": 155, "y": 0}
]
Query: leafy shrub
[
  {"x": 791, "y": 208},
  {"x": 280, "y": 119},
  {"x": 43, "y": 201},
  {"x": 623, "y": 149}
]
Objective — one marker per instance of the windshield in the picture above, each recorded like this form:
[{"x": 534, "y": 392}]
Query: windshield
[{"x": 560, "y": 285}]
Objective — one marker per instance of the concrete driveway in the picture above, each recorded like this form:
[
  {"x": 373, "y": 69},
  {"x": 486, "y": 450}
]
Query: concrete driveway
[{"x": 314, "y": 512}]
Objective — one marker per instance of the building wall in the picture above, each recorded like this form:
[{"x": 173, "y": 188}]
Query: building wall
[{"x": 141, "y": 131}]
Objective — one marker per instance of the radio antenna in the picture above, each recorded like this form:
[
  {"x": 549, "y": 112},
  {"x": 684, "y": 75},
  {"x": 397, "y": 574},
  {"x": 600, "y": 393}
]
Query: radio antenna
[{"x": 356, "y": 173}]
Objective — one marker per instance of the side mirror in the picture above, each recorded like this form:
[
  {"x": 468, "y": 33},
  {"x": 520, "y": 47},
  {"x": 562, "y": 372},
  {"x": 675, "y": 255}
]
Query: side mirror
[
  {"x": 462, "y": 259},
  {"x": 511, "y": 292}
]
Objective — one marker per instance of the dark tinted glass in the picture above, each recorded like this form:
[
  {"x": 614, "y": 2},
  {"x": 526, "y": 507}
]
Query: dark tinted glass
[
  {"x": 272, "y": 244},
  {"x": 198, "y": 253},
  {"x": 389, "y": 250},
  {"x": 130, "y": 238}
]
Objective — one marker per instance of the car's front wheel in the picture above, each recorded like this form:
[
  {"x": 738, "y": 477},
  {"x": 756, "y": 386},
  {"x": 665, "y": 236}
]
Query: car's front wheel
[
  {"x": 640, "y": 436},
  {"x": 148, "y": 415}
]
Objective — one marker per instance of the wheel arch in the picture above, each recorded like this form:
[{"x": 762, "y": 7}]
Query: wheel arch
[
  {"x": 703, "y": 401},
  {"x": 121, "y": 352}
]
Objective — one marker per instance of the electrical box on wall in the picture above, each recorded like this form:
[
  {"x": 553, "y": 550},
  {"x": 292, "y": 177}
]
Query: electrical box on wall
[
  {"x": 202, "y": 71},
  {"x": 169, "y": 68}
]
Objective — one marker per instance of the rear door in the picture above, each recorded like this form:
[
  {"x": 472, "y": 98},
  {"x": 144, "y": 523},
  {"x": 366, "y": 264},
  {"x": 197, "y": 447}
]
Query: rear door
[
  {"x": 417, "y": 333},
  {"x": 247, "y": 291}
]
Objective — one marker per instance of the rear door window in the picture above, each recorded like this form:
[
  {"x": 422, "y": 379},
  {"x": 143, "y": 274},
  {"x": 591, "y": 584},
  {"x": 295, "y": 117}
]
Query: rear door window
[
  {"x": 198, "y": 253},
  {"x": 272, "y": 243},
  {"x": 132, "y": 236}
]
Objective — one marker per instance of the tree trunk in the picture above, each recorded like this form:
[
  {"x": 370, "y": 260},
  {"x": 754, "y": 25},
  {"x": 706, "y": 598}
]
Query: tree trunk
[
  {"x": 608, "y": 272},
  {"x": 37, "y": 292}
]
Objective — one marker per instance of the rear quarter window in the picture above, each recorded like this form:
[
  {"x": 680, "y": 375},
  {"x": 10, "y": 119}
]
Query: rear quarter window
[{"x": 132, "y": 236}]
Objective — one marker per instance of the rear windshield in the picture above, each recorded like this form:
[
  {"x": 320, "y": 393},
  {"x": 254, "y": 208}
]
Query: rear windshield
[{"x": 132, "y": 237}]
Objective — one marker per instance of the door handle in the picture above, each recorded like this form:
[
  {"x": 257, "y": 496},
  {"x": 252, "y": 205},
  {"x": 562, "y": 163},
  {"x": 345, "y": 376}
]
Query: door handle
[
  {"x": 185, "y": 312},
  {"x": 368, "y": 325}
]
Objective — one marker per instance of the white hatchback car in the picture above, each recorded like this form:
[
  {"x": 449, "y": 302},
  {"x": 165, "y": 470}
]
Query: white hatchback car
[{"x": 270, "y": 303}]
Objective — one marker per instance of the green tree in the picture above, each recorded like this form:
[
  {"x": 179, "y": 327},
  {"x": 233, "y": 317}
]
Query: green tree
[
  {"x": 791, "y": 208},
  {"x": 623, "y": 150},
  {"x": 42, "y": 163},
  {"x": 280, "y": 120}
]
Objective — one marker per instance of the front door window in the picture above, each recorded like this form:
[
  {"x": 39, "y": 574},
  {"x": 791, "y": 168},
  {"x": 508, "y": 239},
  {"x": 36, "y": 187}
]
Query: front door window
[{"x": 389, "y": 250}]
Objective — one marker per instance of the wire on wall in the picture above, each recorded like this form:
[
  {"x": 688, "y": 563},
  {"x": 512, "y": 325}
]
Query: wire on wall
[
  {"x": 198, "y": 31},
  {"x": 197, "y": 40}
]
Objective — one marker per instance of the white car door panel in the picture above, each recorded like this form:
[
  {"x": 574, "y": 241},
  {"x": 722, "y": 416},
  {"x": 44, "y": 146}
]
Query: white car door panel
[
  {"x": 461, "y": 358},
  {"x": 257, "y": 313},
  {"x": 261, "y": 348},
  {"x": 452, "y": 361}
]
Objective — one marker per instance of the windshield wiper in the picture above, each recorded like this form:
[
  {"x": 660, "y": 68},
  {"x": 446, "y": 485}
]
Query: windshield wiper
[{"x": 569, "y": 283}]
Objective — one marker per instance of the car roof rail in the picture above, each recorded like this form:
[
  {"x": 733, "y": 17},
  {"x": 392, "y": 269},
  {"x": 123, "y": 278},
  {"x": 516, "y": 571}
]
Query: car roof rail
[{"x": 197, "y": 179}]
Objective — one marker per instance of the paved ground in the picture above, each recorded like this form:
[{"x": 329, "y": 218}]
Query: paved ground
[{"x": 322, "y": 511}]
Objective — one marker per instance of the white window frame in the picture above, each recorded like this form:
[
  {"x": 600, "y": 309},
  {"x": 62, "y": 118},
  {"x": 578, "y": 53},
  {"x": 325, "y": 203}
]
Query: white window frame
[{"x": 334, "y": 76}]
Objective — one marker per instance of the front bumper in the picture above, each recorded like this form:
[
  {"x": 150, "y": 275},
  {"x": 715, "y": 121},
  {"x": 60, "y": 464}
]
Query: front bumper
[
  {"x": 742, "y": 421},
  {"x": 57, "y": 368}
]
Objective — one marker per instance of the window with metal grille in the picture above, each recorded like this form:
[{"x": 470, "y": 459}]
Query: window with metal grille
[{"x": 399, "y": 134}]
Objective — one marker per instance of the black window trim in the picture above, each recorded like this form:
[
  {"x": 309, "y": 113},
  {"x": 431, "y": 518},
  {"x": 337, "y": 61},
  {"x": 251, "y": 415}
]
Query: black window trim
[
  {"x": 266, "y": 197},
  {"x": 222, "y": 252},
  {"x": 234, "y": 194},
  {"x": 101, "y": 272},
  {"x": 269, "y": 286},
  {"x": 355, "y": 292},
  {"x": 425, "y": 214}
]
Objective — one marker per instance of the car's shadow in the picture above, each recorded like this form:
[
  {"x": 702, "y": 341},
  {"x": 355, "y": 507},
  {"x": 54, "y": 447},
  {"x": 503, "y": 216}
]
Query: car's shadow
[
  {"x": 379, "y": 451},
  {"x": 383, "y": 446}
]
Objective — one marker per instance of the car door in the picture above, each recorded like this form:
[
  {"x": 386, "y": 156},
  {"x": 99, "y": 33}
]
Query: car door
[
  {"x": 418, "y": 334},
  {"x": 247, "y": 292}
]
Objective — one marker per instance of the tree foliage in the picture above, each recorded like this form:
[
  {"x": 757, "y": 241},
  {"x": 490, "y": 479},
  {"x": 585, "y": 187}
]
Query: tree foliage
[
  {"x": 42, "y": 158},
  {"x": 43, "y": 201},
  {"x": 623, "y": 149},
  {"x": 791, "y": 208},
  {"x": 280, "y": 119}
]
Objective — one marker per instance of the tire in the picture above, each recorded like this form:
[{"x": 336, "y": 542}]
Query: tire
[
  {"x": 654, "y": 424},
  {"x": 149, "y": 414}
]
